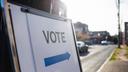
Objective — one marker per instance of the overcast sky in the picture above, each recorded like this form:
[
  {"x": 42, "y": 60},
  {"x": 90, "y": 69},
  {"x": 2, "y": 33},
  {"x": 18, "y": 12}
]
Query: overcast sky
[{"x": 99, "y": 15}]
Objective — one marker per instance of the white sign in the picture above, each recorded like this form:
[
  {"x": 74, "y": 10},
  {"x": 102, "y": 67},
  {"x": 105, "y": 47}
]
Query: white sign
[{"x": 44, "y": 44}]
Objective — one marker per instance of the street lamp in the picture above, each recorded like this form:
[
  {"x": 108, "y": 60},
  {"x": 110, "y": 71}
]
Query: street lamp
[{"x": 118, "y": 14}]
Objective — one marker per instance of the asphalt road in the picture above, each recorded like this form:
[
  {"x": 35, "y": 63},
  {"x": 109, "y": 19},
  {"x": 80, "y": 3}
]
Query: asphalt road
[{"x": 96, "y": 57}]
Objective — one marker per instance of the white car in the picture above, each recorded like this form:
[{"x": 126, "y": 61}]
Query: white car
[
  {"x": 82, "y": 47},
  {"x": 104, "y": 42}
]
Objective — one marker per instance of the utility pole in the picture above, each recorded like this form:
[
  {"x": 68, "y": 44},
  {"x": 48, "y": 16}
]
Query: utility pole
[{"x": 119, "y": 31}]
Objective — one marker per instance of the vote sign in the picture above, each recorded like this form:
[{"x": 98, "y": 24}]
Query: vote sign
[
  {"x": 53, "y": 45},
  {"x": 44, "y": 44}
]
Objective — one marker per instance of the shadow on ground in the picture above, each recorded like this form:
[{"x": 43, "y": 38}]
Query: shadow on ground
[{"x": 84, "y": 54}]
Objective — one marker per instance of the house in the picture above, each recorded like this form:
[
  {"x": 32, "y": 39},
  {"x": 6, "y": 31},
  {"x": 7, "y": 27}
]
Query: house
[
  {"x": 97, "y": 36},
  {"x": 81, "y": 30}
]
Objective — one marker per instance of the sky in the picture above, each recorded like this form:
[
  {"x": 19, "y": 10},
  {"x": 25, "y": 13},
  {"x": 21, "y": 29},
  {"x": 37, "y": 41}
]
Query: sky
[{"x": 99, "y": 15}]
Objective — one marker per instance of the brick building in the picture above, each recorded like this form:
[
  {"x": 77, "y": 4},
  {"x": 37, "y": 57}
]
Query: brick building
[
  {"x": 81, "y": 30},
  {"x": 97, "y": 36}
]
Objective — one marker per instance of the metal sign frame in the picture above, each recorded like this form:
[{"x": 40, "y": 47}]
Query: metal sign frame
[{"x": 11, "y": 34}]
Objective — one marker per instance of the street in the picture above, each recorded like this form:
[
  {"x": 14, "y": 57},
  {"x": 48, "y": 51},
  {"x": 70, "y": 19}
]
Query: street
[{"x": 96, "y": 57}]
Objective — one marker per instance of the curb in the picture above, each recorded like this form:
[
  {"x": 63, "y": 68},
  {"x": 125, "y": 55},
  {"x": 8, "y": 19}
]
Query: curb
[{"x": 99, "y": 70}]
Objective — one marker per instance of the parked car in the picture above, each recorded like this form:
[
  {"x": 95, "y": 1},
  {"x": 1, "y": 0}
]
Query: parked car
[
  {"x": 104, "y": 42},
  {"x": 82, "y": 47},
  {"x": 88, "y": 42}
]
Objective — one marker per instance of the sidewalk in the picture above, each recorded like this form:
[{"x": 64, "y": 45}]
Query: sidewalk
[{"x": 118, "y": 65}]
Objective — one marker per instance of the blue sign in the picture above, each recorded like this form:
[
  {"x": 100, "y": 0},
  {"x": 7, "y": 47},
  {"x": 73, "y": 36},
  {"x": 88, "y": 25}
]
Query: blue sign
[{"x": 55, "y": 59}]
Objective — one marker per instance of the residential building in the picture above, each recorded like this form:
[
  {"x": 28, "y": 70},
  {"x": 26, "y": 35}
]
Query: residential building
[
  {"x": 97, "y": 36},
  {"x": 81, "y": 30},
  {"x": 126, "y": 33}
]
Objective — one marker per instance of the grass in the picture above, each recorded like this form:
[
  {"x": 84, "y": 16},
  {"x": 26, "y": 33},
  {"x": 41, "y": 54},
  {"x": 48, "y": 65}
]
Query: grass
[
  {"x": 126, "y": 52},
  {"x": 115, "y": 54}
]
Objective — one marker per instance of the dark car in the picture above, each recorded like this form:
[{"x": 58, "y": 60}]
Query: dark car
[{"x": 82, "y": 47}]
